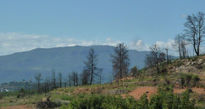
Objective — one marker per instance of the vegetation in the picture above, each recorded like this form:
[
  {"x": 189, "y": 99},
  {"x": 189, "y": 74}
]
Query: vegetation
[
  {"x": 189, "y": 80},
  {"x": 164, "y": 99}
]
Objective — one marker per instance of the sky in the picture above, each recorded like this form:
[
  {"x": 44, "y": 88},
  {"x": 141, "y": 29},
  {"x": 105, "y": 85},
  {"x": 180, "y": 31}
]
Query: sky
[{"x": 29, "y": 24}]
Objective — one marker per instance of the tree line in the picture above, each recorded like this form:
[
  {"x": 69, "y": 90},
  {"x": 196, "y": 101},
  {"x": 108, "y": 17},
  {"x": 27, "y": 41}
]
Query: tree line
[{"x": 91, "y": 73}]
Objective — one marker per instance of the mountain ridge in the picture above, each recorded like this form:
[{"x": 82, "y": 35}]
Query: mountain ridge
[{"x": 25, "y": 65}]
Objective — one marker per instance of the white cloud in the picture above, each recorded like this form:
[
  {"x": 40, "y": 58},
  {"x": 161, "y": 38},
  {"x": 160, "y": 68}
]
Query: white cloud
[
  {"x": 169, "y": 44},
  {"x": 18, "y": 42},
  {"x": 139, "y": 45}
]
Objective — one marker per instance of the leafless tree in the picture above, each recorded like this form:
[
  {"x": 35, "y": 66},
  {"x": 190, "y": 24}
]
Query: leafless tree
[
  {"x": 91, "y": 66},
  {"x": 65, "y": 83},
  {"x": 60, "y": 79},
  {"x": 99, "y": 74},
  {"x": 180, "y": 45},
  {"x": 38, "y": 80},
  {"x": 155, "y": 58},
  {"x": 85, "y": 77},
  {"x": 53, "y": 79},
  {"x": 74, "y": 78},
  {"x": 120, "y": 61},
  {"x": 69, "y": 79},
  {"x": 195, "y": 30},
  {"x": 46, "y": 87}
]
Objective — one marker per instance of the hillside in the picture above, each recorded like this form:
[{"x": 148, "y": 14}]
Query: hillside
[
  {"x": 147, "y": 82},
  {"x": 24, "y": 65}
]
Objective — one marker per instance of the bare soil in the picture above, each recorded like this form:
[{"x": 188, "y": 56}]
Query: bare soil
[
  {"x": 18, "y": 107},
  {"x": 150, "y": 90},
  {"x": 138, "y": 92}
]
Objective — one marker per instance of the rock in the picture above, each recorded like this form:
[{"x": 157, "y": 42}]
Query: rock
[
  {"x": 188, "y": 63},
  {"x": 44, "y": 99},
  {"x": 200, "y": 61}
]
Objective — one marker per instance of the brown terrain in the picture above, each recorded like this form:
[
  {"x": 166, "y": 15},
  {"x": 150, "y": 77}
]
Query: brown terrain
[
  {"x": 18, "y": 107},
  {"x": 150, "y": 90}
]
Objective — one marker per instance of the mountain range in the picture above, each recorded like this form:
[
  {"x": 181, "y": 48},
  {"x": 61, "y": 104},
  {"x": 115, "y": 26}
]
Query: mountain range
[{"x": 25, "y": 65}]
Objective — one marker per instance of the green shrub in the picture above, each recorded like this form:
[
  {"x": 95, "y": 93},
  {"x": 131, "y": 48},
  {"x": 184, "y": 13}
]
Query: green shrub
[
  {"x": 189, "y": 80},
  {"x": 195, "y": 80},
  {"x": 143, "y": 103},
  {"x": 101, "y": 102},
  {"x": 21, "y": 93},
  {"x": 164, "y": 99}
]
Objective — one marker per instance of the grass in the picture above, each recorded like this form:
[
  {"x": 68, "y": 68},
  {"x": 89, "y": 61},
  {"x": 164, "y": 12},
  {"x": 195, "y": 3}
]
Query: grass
[{"x": 13, "y": 100}]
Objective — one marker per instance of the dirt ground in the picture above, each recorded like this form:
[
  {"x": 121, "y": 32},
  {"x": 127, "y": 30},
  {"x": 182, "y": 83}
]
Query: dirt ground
[
  {"x": 195, "y": 90},
  {"x": 17, "y": 107},
  {"x": 149, "y": 90},
  {"x": 138, "y": 92}
]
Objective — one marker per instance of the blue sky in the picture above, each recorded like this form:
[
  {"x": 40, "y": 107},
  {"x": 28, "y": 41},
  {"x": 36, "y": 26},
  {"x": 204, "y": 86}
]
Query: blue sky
[{"x": 91, "y": 21}]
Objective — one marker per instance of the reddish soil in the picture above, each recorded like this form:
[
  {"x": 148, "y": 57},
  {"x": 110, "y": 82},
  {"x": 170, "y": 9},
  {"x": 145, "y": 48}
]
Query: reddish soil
[
  {"x": 199, "y": 90},
  {"x": 178, "y": 91},
  {"x": 81, "y": 90},
  {"x": 195, "y": 90},
  {"x": 18, "y": 107},
  {"x": 138, "y": 92}
]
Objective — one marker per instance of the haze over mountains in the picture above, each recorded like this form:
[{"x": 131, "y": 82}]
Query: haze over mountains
[{"x": 25, "y": 65}]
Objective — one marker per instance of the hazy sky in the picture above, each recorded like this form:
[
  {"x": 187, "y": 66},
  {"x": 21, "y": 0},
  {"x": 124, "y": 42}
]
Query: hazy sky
[{"x": 28, "y": 24}]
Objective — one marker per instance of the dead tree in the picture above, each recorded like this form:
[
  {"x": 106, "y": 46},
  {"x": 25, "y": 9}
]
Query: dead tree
[
  {"x": 46, "y": 87},
  {"x": 120, "y": 62},
  {"x": 195, "y": 30},
  {"x": 85, "y": 77},
  {"x": 69, "y": 79},
  {"x": 60, "y": 79},
  {"x": 54, "y": 80},
  {"x": 74, "y": 78},
  {"x": 38, "y": 80},
  {"x": 155, "y": 58},
  {"x": 180, "y": 44},
  {"x": 91, "y": 66}
]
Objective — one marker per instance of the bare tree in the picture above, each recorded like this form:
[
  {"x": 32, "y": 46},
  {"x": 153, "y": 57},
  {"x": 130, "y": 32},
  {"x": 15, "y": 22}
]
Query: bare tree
[
  {"x": 69, "y": 79},
  {"x": 91, "y": 66},
  {"x": 180, "y": 45},
  {"x": 99, "y": 74},
  {"x": 155, "y": 57},
  {"x": 74, "y": 78},
  {"x": 85, "y": 77},
  {"x": 120, "y": 61},
  {"x": 60, "y": 79},
  {"x": 65, "y": 83},
  {"x": 53, "y": 79},
  {"x": 195, "y": 30},
  {"x": 38, "y": 80},
  {"x": 46, "y": 85}
]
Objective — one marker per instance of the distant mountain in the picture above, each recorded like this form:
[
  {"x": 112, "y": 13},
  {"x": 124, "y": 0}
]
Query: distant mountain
[{"x": 25, "y": 65}]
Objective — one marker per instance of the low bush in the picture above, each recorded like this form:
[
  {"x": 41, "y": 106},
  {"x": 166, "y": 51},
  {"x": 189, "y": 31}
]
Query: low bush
[
  {"x": 101, "y": 102},
  {"x": 164, "y": 99},
  {"x": 48, "y": 104},
  {"x": 189, "y": 80}
]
